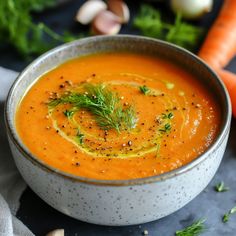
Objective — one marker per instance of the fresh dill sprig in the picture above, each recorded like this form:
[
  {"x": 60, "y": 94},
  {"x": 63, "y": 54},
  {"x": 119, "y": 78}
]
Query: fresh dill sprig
[
  {"x": 129, "y": 117},
  {"x": 144, "y": 89},
  {"x": 194, "y": 229},
  {"x": 220, "y": 187},
  {"x": 149, "y": 21},
  {"x": 228, "y": 214},
  {"x": 103, "y": 104},
  {"x": 18, "y": 29}
]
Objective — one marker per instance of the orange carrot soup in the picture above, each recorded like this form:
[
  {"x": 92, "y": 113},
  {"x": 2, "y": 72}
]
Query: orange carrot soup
[{"x": 117, "y": 116}]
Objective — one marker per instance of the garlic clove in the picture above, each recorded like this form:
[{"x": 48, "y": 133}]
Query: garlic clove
[
  {"x": 89, "y": 10},
  {"x": 106, "y": 23},
  {"x": 119, "y": 8},
  {"x": 191, "y": 9},
  {"x": 56, "y": 232}
]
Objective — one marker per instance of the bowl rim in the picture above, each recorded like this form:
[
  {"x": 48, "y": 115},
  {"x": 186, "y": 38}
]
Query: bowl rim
[{"x": 123, "y": 182}]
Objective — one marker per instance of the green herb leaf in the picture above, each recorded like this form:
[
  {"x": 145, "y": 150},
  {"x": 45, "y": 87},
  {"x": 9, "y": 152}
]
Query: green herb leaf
[
  {"x": 103, "y": 104},
  {"x": 166, "y": 128},
  {"x": 164, "y": 119},
  {"x": 68, "y": 113},
  {"x": 170, "y": 115},
  {"x": 226, "y": 217},
  {"x": 220, "y": 187},
  {"x": 167, "y": 115},
  {"x": 149, "y": 21},
  {"x": 194, "y": 229},
  {"x": 228, "y": 214},
  {"x": 184, "y": 34},
  {"x": 144, "y": 89},
  {"x": 80, "y": 137}
]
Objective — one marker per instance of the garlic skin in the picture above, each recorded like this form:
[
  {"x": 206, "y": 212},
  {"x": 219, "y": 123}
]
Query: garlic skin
[
  {"x": 191, "y": 9},
  {"x": 56, "y": 232},
  {"x": 88, "y": 11},
  {"x": 106, "y": 23},
  {"x": 119, "y": 8}
]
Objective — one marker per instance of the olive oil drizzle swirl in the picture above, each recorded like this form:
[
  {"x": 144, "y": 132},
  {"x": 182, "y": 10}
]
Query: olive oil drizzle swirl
[{"x": 145, "y": 148}]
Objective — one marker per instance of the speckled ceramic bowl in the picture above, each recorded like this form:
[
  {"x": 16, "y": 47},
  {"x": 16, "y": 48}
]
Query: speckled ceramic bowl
[{"x": 118, "y": 202}]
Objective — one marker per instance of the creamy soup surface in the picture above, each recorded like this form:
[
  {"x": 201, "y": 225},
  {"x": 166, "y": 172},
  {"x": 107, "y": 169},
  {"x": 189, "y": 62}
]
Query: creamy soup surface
[{"x": 117, "y": 116}]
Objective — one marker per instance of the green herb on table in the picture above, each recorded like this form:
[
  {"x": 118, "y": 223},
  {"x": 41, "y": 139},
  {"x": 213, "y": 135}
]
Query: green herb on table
[
  {"x": 228, "y": 214},
  {"x": 144, "y": 89},
  {"x": 18, "y": 29},
  {"x": 150, "y": 22},
  {"x": 103, "y": 104},
  {"x": 194, "y": 229},
  {"x": 220, "y": 187}
]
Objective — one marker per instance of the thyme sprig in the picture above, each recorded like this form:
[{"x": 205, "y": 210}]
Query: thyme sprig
[
  {"x": 103, "y": 104},
  {"x": 194, "y": 229}
]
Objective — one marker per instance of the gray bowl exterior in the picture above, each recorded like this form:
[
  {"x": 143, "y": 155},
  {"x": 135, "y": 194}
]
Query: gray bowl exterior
[{"x": 123, "y": 202}]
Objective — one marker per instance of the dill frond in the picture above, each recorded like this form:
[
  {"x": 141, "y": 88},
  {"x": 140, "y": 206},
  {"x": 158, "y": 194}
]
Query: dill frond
[
  {"x": 103, "y": 104},
  {"x": 194, "y": 229}
]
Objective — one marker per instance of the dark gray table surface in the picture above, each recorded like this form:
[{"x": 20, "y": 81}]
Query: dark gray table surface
[{"x": 41, "y": 218}]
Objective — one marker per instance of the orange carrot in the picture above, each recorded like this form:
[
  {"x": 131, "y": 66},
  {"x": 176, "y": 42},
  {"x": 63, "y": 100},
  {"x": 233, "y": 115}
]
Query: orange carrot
[
  {"x": 220, "y": 44},
  {"x": 229, "y": 80},
  {"x": 219, "y": 47}
]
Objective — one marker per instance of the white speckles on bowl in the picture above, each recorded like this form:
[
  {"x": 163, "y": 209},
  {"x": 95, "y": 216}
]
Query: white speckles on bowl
[{"x": 122, "y": 202}]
